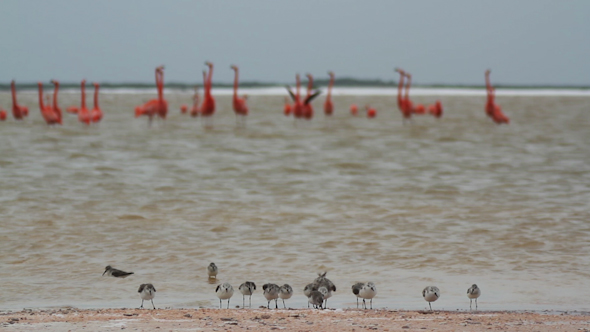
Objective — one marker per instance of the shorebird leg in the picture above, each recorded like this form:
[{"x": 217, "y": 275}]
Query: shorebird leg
[
  {"x": 430, "y": 306},
  {"x": 371, "y": 304},
  {"x": 470, "y": 301},
  {"x": 250, "y": 301},
  {"x": 357, "y": 302},
  {"x": 268, "y": 305},
  {"x": 141, "y": 305},
  {"x": 364, "y": 304},
  {"x": 243, "y": 301},
  {"x": 276, "y": 304},
  {"x": 228, "y": 303},
  {"x": 219, "y": 303},
  {"x": 153, "y": 304},
  {"x": 475, "y": 304}
]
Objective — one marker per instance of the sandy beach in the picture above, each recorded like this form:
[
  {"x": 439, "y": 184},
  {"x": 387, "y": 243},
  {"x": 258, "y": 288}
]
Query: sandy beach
[{"x": 71, "y": 319}]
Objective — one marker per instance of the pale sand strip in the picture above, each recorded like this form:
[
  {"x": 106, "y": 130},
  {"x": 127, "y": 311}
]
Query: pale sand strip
[{"x": 71, "y": 319}]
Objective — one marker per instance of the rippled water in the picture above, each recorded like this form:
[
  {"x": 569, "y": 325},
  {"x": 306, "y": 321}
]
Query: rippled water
[{"x": 448, "y": 203}]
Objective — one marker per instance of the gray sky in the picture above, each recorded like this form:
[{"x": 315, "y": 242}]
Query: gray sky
[{"x": 450, "y": 41}]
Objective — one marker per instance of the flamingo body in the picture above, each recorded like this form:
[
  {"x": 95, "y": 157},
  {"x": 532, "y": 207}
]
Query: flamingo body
[
  {"x": 493, "y": 110},
  {"x": 208, "y": 106},
  {"x": 83, "y": 112},
  {"x": 56, "y": 108},
  {"x": 18, "y": 111},
  {"x": 46, "y": 110},
  {"x": 96, "y": 112},
  {"x": 239, "y": 104}
]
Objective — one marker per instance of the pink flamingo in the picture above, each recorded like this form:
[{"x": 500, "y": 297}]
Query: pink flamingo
[
  {"x": 46, "y": 110},
  {"x": 152, "y": 107},
  {"x": 2, "y": 114},
  {"x": 162, "y": 103},
  {"x": 83, "y": 112},
  {"x": 208, "y": 106},
  {"x": 18, "y": 111},
  {"x": 436, "y": 109},
  {"x": 354, "y": 109},
  {"x": 371, "y": 112},
  {"x": 418, "y": 109},
  {"x": 239, "y": 104},
  {"x": 299, "y": 106},
  {"x": 307, "y": 107},
  {"x": 402, "y": 103},
  {"x": 493, "y": 110},
  {"x": 328, "y": 105},
  {"x": 96, "y": 112},
  {"x": 56, "y": 108}
]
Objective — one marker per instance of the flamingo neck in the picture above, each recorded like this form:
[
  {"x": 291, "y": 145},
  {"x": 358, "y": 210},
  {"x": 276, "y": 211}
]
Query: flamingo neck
[
  {"x": 56, "y": 89},
  {"x": 408, "y": 84},
  {"x": 13, "y": 88},
  {"x": 400, "y": 86},
  {"x": 96, "y": 87},
  {"x": 83, "y": 103},
  {"x": 330, "y": 86},
  {"x": 205, "y": 92},
  {"x": 160, "y": 84},
  {"x": 236, "y": 84},
  {"x": 298, "y": 95},
  {"x": 210, "y": 78},
  {"x": 309, "y": 86}
]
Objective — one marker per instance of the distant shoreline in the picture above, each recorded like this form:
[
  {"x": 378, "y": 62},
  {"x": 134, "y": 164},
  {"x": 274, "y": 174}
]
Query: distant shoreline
[{"x": 320, "y": 83}]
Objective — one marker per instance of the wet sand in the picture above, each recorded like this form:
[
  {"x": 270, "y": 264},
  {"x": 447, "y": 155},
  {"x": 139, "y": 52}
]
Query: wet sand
[{"x": 71, "y": 319}]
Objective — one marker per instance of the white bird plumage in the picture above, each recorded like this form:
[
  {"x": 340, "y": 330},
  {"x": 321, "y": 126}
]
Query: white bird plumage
[
  {"x": 285, "y": 293},
  {"x": 147, "y": 292},
  {"x": 431, "y": 294},
  {"x": 368, "y": 292},
  {"x": 224, "y": 292},
  {"x": 473, "y": 293},
  {"x": 247, "y": 288},
  {"x": 271, "y": 292}
]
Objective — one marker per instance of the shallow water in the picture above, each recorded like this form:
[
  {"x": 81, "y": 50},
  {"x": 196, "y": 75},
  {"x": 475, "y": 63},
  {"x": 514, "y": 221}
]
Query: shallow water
[{"x": 446, "y": 203}]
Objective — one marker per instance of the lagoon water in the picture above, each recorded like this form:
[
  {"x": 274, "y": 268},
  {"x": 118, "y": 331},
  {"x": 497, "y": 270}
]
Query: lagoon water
[{"x": 447, "y": 202}]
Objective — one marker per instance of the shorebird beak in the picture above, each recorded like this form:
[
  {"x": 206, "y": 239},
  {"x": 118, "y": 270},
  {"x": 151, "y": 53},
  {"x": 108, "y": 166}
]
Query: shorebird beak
[{"x": 105, "y": 271}]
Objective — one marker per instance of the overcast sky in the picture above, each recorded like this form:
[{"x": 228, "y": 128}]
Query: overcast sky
[{"x": 446, "y": 41}]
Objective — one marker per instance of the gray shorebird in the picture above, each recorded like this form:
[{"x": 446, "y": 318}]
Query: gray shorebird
[
  {"x": 271, "y": 292},
  {"x": 316, "y": 299},
  {"x": 247, "y": 288},
  {"x": 322, "y": 281},
  {"x": 473, "y": 293},
  {"x": 356, "y": 290},
  {"x": 224, "y": 292},
  {"x": 368, "y": 292},
  {"x": 212, "y": 270},
  {"x": 431, "y": 294},
  {"x": 147, "y": 292},
  {"x": 116, "y": 273},
  {"x": 285, "y": 293}
]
